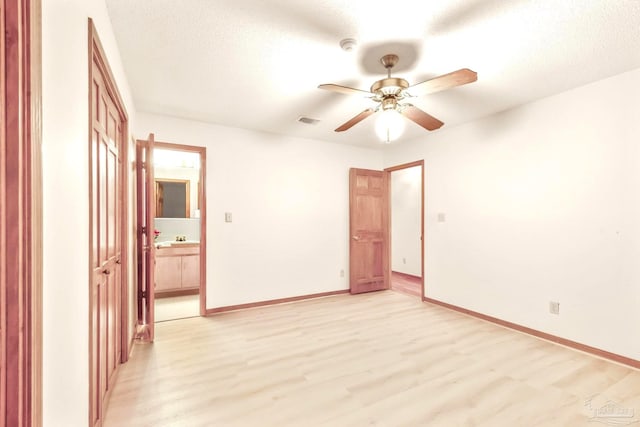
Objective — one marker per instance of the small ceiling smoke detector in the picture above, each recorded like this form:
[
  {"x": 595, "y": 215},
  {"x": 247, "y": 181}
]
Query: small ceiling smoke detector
[
  {"x": 307, "y": 120},
  {"x": 348, "y": 44}
]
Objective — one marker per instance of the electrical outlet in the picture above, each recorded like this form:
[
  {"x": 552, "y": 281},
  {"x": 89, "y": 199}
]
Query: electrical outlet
[
  {"x": 341, "y": 273},
  {"x": 554, "y": 307},
  {"x": 404, "y": 260}
]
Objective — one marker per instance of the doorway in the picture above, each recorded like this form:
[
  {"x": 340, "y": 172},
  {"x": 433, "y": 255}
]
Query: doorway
[
  {"x": 177, "y": 233},
  {"x": 172, "y": 209},
  {"x": 374, "y": 264},
  {"x": 406, "y": 205}
]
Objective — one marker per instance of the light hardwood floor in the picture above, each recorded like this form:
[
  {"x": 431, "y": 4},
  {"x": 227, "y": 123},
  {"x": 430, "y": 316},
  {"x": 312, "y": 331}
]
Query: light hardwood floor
[{"x": 382, "y": 359}]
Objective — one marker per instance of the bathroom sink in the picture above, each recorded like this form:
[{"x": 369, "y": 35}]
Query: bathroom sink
[{"x": 170, "y": 243}]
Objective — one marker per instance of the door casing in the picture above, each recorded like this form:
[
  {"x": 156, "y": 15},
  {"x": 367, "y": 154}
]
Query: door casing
[
  {"x": 202, "y": 151},
  {"x": 20, "y": 214},
  {"x": 203, "y": 213}
]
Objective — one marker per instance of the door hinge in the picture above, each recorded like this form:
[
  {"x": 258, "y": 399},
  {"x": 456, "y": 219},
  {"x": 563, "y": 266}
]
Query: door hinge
[
  {"x": 144, "y": 230},
  {"x": 142, "y": 294},
  {"x": 144, "y": 165}
]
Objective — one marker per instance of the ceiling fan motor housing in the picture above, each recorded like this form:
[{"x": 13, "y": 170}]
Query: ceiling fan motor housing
[{"x": 389, "y": 86}]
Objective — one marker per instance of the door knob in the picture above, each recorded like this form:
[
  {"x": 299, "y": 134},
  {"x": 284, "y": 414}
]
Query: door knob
[
  {"x": 106, "y": 272},
  {"x": 356, "y": 238}
]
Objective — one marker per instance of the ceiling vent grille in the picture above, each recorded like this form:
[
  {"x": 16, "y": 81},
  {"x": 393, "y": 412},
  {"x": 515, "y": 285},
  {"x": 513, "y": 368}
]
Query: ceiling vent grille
[{"x": 308, "y": 120}]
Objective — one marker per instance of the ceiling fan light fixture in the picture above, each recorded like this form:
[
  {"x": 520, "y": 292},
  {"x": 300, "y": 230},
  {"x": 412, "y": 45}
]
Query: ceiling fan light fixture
[
  {"x": 388, "y": 92},
  {"x": 389, "y": 125}
]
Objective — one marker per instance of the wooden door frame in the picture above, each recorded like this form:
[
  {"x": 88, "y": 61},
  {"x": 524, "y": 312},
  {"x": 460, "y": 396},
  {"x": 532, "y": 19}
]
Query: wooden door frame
[
  {"x": 96, "y": 52},
  {"x": 203, "y": 213},
  {"x": 388, "y": 172},
  {"x": 21, "y": 214}
]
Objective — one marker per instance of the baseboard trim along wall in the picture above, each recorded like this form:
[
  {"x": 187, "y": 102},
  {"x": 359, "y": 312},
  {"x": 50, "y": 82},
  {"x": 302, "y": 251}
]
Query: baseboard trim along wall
[
  {"x": 410, "y": 276},
  {"x": 215, "y": 310},
  {"x": 553, "y": 338}
]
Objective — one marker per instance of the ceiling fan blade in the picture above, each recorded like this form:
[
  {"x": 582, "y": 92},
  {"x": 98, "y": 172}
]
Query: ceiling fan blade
[
  {"x": 344, "y": 89},
  {"x": 357, "y": 119},
  {"x": 418, "y": 116},
  {"x": 445, "y": 81}
]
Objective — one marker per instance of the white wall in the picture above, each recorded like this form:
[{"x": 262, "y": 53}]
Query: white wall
[
  {"x": 170, "y": 228},
  {"x": 406, "y": 199},
  {"x": 66, "y": 201},
  {"x": 541, "y": 203},
  {"x": 290, "y": 203}
]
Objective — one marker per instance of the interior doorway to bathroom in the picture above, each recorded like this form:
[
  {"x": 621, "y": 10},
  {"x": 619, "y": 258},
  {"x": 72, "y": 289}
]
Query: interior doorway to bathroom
[
  {"x": 173, "y": 198},
  {"x": 178, "y": 231}
]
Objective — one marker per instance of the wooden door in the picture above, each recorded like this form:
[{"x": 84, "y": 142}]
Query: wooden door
[
  {"x": 145, "y": 201},
  {"x": 369, "y": 230},
  {"x": 106, "y": 216}
]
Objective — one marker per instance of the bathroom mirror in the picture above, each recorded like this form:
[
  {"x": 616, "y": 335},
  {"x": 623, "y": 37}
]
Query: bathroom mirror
[{"x": 172, "y": 198}]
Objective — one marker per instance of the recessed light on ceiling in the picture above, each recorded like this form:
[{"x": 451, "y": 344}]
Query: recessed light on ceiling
[
  {"x": 348, "y": 44},
  {"x": 307, "y": 120}
]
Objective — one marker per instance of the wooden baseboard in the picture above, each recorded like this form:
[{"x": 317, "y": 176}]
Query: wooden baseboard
[
  {"x": 543, "y": 335},
  {"x": 177, "y": 293},
  {"x": 410, "y": 276},
  {"x": 215, "y": 310}
]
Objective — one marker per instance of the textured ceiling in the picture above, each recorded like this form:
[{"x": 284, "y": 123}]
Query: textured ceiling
[{"x": 256, "y": 64}]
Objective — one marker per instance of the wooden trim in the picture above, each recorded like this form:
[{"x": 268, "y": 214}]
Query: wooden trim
[
  {"x": 405, "y": 166},
  {"x": 410, "y": 276},
  {"x": 211, "y": 311},
  {"x": 96, "y": 52},
  {"x": 35, "y": 267},
  {"x": 202, "y": 197},
  {"x": 401, "y": 167},
  {"x": 539, "y": 334},
  {"x": 20, "y": 214},
  {"x": 178, "y": 293},
  {"x": 97, "y": 55}
]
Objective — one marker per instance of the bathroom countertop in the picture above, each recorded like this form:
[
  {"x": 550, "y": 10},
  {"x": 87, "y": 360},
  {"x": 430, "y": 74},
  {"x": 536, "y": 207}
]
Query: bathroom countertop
[{"x": 173, "y": 244}]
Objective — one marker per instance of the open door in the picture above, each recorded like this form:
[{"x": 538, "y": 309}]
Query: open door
[
  {"x": 368, "y": 230},
  {"x": 145, "y": 237}
]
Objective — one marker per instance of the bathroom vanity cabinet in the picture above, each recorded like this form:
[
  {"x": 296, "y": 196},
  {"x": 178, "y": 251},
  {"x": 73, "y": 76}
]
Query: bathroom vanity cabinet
[{"x": 178, "y": 269}]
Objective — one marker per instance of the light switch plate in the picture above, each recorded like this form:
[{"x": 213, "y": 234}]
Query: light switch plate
[{"x": 227, "y": 217}]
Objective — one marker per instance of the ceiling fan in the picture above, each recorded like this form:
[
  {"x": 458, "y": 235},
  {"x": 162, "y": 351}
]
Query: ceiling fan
[{"x": 390, "y": 91}]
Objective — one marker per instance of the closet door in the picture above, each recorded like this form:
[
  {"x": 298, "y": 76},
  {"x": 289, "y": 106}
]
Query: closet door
[{"x": 106, "y": 194}]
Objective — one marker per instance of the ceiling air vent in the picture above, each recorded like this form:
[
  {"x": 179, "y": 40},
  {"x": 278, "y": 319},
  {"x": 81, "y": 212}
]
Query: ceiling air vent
[{"x": 307, "y": 120}]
